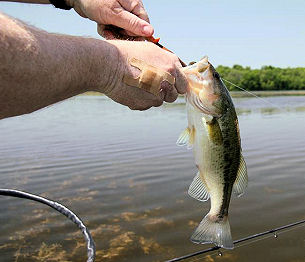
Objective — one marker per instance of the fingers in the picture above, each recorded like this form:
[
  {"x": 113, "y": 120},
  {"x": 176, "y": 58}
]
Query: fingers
[
  {"x": 134, "y": 24},
  {"x": 111, "y": 33},
  {"x": 132, "y": 93},
  {"x": 170, "y": 93},
  {"x": 129, "y": 18},
  {"x": 181, "y": 82},
  {"x": 135, "y": 7},
  {"x": 107, "y": 34},
  {"x": 78, "y": 10},
  {"x": 137, "y": 99}
]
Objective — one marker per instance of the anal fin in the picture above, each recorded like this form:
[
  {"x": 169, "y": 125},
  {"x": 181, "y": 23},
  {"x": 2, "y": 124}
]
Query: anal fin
[
  {"x": 241, "y": 180},
  {"x": 198, "y": 189}
]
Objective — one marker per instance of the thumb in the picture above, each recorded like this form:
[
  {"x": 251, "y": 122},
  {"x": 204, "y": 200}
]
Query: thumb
[{"x": 134, "y": 24}]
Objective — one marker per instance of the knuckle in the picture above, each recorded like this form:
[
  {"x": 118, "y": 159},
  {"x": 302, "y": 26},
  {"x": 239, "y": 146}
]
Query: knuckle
[
  {"x": 172, "y": 97},
  {"x": 135, "y": 5},
  {"x": 173, "y": 57},
  {"x": 170, "y": 94},
  {"x": 127, "y": 22},
  {"x": 107, "y": 16},
  {"x": 171, "y": 68},
  {"x": 108, "y": 12},
  {"x": 158, "y": 103},
  {"x": 166, "y": 86},
  {"x": 132, "y": 107},
  {"x": 171, "y": 64},
  {"x": 133, "y": 23},
  {"x": 100, "y": 31},
  {"x": 140, "y": 106},
  {"x": 115, "y": 11},
  {"x": 144, "y": 107},
  {"x": 181, "y": 85}
]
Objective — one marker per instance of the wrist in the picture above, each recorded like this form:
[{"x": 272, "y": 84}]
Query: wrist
[
  {"x": 106, "y": 67},
  {"x": 76, "y": 58},
  {"x": 73, "y": 62}
]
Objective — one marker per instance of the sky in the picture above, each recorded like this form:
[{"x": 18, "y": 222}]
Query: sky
[{"x": 250, "y": 33}]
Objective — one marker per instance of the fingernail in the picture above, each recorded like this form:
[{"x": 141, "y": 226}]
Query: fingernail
[{"x": 147, "y": 30}]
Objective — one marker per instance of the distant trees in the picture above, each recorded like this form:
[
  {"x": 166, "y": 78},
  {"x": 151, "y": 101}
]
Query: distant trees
[{"x": 266, "y": 78}]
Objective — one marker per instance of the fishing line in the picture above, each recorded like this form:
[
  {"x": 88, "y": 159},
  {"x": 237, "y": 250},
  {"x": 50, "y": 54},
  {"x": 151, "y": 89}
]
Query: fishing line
[
  {"x": 265, "y": 100},
  {"x": 156, "y": 41},
  {"x": 275, "y": 230},
  {"x": 61, "y": 209}
]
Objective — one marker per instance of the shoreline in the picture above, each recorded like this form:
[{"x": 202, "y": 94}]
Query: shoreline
[
  {"x": 268, "y": 93},
  {"x": 236, "y": 94}
]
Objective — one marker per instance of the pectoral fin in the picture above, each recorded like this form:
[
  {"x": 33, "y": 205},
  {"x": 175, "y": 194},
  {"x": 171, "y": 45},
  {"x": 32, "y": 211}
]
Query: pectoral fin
[
  {"x": 198, "y": 189},
  {"x": 214, "y": 131},
  {"x": 187, "y": 138},
  {"x": 241, "y": 180}
]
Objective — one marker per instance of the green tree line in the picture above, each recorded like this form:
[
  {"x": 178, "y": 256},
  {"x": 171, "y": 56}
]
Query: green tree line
[{"x": 266, "y": 78}]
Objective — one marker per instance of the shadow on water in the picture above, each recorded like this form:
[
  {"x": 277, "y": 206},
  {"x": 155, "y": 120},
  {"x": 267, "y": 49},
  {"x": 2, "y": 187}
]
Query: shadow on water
[{"x": 122, "y": 173}]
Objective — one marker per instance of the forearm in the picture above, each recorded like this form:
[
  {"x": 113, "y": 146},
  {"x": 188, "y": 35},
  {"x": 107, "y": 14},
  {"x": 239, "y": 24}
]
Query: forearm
[
  {"x": 28, "y": 1},
  {"x": 38, "y": 69}
]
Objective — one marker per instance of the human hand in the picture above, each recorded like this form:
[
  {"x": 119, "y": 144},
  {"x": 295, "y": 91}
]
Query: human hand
[
  {"x": 128, "y": 15},
  {"x": 134, "y": 97}
]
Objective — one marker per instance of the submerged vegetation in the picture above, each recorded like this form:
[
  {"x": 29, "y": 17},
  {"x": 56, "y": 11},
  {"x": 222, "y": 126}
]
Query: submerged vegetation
[{"x": 265, "y": 79}]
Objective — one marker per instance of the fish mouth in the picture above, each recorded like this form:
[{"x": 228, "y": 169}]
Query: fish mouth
[
  {"x": 203, "y": 64},
  {"x": 201, "y": 90}
]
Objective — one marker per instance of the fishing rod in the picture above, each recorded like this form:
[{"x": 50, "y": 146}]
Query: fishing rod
[
  {"x": 156, "y": 42},
  {"x": 275, "y": 230},
  {"x": 61, "y": 209}
]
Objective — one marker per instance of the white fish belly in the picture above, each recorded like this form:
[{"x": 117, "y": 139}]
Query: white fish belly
[{"x": 208, "y": 159}]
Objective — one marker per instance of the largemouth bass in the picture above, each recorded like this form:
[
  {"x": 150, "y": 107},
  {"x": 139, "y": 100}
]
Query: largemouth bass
[{"x": 213, "y": 132}]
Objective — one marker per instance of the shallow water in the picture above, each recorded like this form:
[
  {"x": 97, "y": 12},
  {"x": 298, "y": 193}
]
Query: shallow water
[{"x": 122, "y": 173}]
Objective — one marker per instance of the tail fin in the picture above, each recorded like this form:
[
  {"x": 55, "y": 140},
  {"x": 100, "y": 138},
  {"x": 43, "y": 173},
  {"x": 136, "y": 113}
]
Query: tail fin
[{"x": 211, "y": 231}]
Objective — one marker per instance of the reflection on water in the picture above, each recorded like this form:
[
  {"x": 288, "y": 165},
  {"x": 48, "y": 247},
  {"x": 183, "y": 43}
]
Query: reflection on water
[{"x": 122, "y": 173}]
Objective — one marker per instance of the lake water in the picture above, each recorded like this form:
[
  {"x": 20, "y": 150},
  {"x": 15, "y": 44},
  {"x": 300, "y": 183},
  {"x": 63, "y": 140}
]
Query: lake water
[{"x": 122, "y": 173}]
